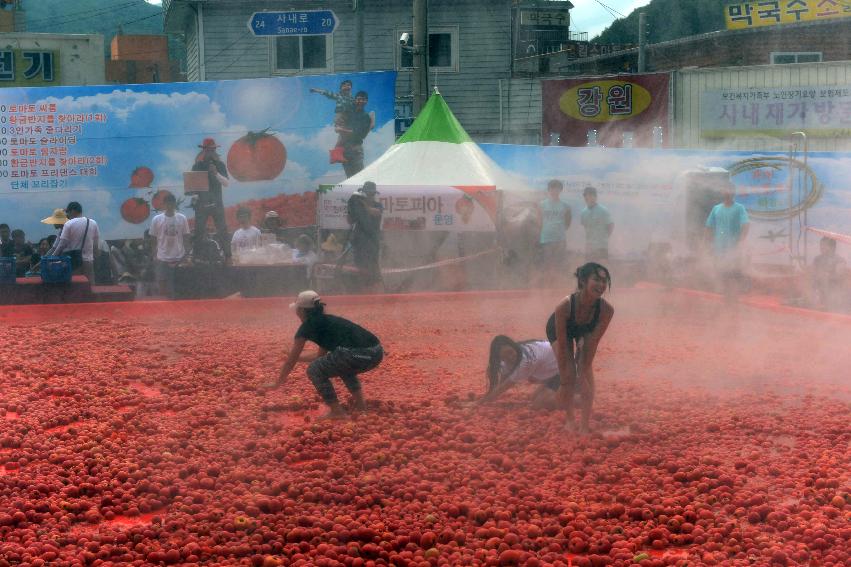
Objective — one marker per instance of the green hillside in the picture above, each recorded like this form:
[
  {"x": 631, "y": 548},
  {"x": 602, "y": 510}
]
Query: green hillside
[
  {"x": 667, "y": 20},
  {"x": 96, "y": 16}
]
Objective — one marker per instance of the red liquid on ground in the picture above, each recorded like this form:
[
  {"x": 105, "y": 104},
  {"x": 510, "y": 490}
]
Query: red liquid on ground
[{"x": 721, "y": 438}]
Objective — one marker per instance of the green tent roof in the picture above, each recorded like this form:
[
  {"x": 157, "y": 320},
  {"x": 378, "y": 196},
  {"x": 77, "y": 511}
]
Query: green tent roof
[{"x": 436, "y": 123}]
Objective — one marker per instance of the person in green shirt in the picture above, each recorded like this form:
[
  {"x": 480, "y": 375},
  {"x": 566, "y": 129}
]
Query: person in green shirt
[
  {"x": 598, "y": 227},
  {"x": 554, "y": 217}
]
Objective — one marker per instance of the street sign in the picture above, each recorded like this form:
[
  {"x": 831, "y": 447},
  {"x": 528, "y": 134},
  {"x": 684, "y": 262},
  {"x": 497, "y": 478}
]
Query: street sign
[{"x": 302, "y": 22}]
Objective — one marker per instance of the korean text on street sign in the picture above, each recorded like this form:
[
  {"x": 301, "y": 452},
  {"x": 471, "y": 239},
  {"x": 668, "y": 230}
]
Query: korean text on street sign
[{"x": 304, "y": 22}]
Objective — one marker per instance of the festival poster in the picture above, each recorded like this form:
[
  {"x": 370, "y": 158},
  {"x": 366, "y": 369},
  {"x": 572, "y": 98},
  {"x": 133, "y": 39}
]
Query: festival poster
[
  {"x": 644, "y": 190},
  {"x": 418, "y": 208},
  {"x": 605, "y": 108},
  {"x": 118, "y": 149}
]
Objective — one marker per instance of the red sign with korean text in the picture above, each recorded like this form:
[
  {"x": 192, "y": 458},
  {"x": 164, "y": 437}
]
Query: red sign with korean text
[{"x": 606, "y": 110}]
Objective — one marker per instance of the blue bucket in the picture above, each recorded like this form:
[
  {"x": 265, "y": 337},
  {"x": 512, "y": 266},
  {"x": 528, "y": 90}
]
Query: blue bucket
[
  {"x": 7, "y": 270},
  {"x": 55, "y": 269}
]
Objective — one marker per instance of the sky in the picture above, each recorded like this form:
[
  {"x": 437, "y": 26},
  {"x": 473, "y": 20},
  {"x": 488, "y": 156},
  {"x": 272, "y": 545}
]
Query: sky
[{"x": 589, "y": 16}]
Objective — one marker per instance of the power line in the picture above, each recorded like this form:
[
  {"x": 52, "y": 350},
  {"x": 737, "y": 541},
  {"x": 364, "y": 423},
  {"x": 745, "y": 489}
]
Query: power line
[
  {"x": 95, "y": 15},
  {"x": 615, "y": 14},
  {"x": 89, "y": 11}
]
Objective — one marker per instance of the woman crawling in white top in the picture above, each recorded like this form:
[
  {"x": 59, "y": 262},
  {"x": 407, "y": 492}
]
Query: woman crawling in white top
[{"x": 511, "y": 363}]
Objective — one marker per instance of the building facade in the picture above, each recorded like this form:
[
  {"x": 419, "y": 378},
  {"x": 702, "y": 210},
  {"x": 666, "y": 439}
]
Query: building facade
[
  {"x": 470, "y": 48},
  {"x": 46, "y": 59},
  {"x": 140, "y": 59}
]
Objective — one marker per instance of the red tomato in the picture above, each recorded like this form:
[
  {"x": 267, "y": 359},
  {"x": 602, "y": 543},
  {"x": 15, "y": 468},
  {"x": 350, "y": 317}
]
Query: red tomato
[
  {"x": 135, "y": 210},
  {"x": 257, "y": 156},
  {"x": 157, "y": 201},
  {"x": 141, "y": 177},
  {"x": 464, "y": 206}
]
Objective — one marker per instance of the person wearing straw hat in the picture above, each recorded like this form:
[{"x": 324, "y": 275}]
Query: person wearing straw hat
[
  {"x": 209, "y": 203},
  {"x": 57, "y": 219},
  {"x": 345, "y": 350},
  {"x": 79, "y": 239}
]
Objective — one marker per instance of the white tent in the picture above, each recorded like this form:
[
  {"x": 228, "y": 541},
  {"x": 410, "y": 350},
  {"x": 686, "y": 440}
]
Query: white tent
[{"x": 436, "y": 151}]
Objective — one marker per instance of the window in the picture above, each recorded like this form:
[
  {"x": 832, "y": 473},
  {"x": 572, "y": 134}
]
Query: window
[
  {"x": 778, "y": 58},
  {"x": 306, "y": 53},
  {"x": 442, "y": 49}
]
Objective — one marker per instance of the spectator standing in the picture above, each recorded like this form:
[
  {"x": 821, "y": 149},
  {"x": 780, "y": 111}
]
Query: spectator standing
[
  {"x": 170, "y": 230},
  {"x": 598, "y": 227},
  {"x": 727, "y": 226},
  {"x": 304, "y": 254},
  {"x": 5, "y": 241},
  {"x": 364, "y": 214},
  {"x": 273, "y": 224},
  {"x": 58, "y": 220},
  {"x": 79, "y": 239},
  {"x": 23, "y": 252},
  {"x": 247, "y": 236},
  {"x": 209, "y": 203},
  {"x": 829, "y": 277},
  {"x": 554, "y": 218}
]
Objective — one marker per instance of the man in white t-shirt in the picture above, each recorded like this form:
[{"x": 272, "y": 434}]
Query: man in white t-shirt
[
  {"x": 246, "y": 236},
  {"x": 79, "y": 238},
  {"x": 170, "y": 230}
]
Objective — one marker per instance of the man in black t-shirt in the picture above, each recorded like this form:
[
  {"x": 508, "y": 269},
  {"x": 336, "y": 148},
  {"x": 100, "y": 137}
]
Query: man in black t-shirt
[
  {"x": 345, "y": 350},
  {"x": 209, "y": 203},
  {"x": 364, "y": 214}
]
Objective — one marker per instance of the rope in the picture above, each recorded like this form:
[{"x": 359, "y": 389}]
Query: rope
[{"x": 328, "y": 270}]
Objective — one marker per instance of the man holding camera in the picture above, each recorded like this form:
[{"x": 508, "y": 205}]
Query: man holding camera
[
  {"x": 364, "y": 214},
  {"x": 209, "y": 203}
]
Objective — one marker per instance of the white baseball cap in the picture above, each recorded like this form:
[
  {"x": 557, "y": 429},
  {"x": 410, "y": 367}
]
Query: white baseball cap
[{"x": 305, "y": 300}]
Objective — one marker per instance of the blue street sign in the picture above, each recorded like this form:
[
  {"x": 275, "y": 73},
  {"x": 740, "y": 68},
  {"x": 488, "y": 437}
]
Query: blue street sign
[{"x": 302, "y": 22}]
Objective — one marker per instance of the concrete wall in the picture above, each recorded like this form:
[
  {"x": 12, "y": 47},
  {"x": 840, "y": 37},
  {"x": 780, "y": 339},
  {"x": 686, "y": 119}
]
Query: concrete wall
[
  {"x": 81, "y": 60},
  {"x": 367, "y": 40}
]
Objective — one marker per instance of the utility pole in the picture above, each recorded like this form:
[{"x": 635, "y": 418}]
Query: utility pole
[
  {"x": 419, "y": 80},
  {"x": 642, "y": 43}
]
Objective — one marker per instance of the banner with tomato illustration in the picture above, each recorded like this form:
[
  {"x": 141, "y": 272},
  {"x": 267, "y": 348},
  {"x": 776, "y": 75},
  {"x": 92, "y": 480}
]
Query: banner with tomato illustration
[
  {"x": 425, "y": 208},
  {"x": 119, "y": 150},
  {"x": 604, "y": 109}
]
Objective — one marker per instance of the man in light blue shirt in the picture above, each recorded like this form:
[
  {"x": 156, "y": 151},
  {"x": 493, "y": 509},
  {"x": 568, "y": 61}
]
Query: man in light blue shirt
[
  {"x": 727, "y": 226},
  {"x": 598, "y": 227},
  {"x": 554, "y": 218}
]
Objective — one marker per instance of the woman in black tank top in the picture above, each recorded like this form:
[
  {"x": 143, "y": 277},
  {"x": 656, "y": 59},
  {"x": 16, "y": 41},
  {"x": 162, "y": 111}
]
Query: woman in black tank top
[{"x": 575, "y": 328}]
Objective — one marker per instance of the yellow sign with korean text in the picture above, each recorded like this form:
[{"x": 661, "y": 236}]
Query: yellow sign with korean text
[
  {"x": 29, "y": 68},
  {"x": 605, "y": 101},
  {"x": 760, "y": 13}
]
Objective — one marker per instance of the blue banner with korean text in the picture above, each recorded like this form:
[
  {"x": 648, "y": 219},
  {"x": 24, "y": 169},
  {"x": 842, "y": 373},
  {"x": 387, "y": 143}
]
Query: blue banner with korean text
[
  {"x": 819, "y": 111},
  {"x": 118, "y": 150}
]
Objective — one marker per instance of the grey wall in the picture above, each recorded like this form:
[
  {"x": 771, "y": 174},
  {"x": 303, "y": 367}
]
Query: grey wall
[{"x": 472, "y": 93}]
